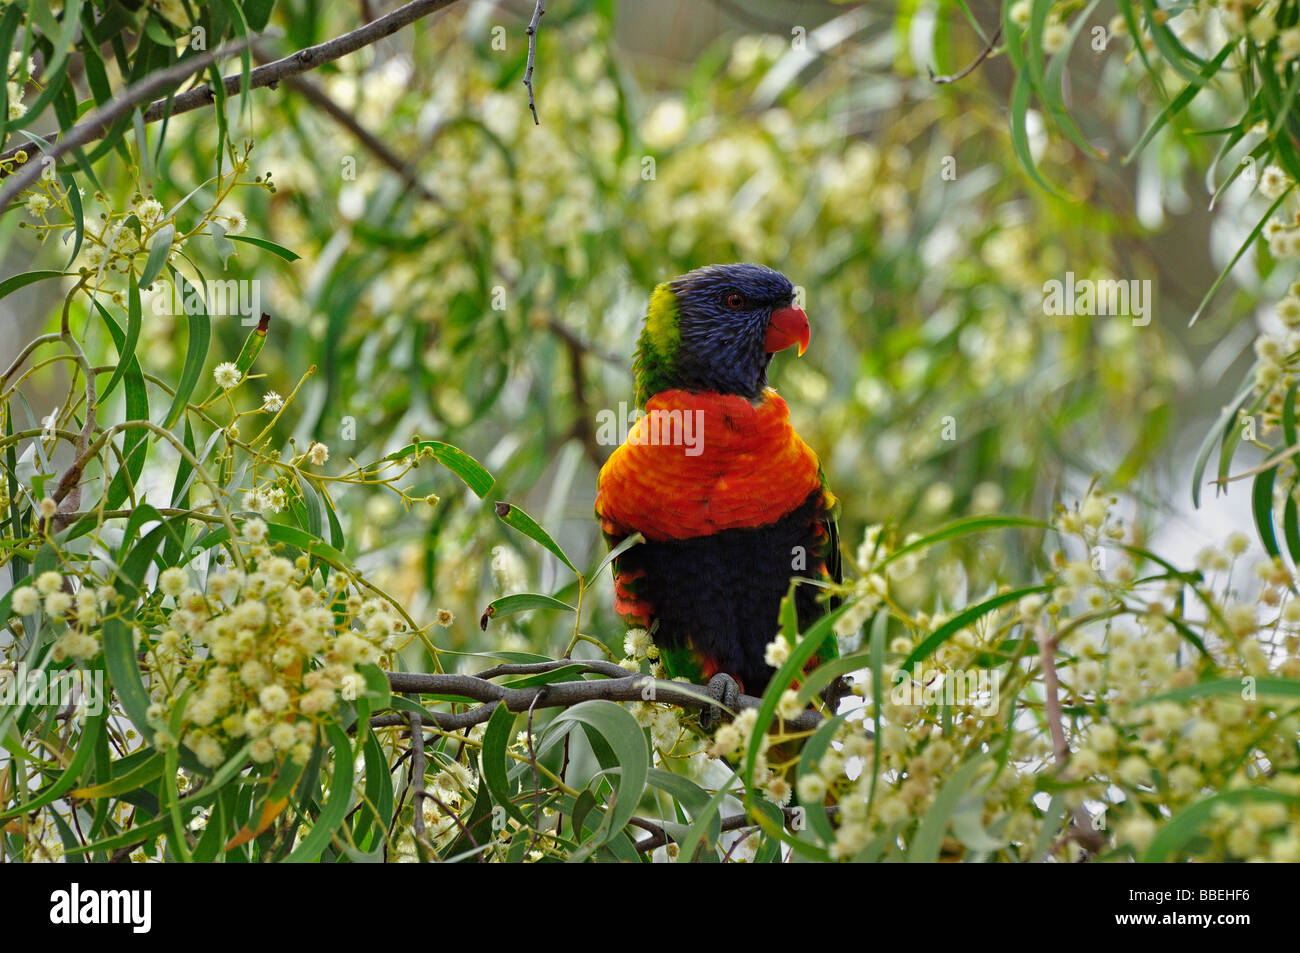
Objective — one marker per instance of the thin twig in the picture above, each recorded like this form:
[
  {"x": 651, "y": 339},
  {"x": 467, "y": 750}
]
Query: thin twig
[
  {"x": 571, "y": 338},
  {"x": 537, "y": 780},
  {"x": 532, "y": 55},
  {"x": 448, "y": 812},
  {"x": 1080, "y": 820},
  {"x": 984, "y": 54},
  {"x": 737, "y": 842},
  {"x": 583, "y": 430},
  {"x": 417, "y": 775},
  {"x": 319, "y": 98},
  {"x": 68, "y": 493},
  {"x": 1052, "y": 693},
  {"x": 599, "y": 666}
]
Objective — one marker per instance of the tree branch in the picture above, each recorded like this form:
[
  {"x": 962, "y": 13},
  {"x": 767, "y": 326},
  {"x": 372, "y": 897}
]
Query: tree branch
[
  {"x": 308, "y": 58},
  {"x": 417, "y": 777},
  {"x": 622, "y": 687},
  {"x": 96, "y": 125},
  {"x": 532, "y": 55},
  {"x": 1080, "y": 820}
]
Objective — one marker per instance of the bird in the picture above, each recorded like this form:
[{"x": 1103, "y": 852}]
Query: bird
[{"x": 731, "y": 503}]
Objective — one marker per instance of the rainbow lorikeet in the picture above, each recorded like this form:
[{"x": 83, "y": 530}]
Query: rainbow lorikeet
[{"x": 731, "y": 502}]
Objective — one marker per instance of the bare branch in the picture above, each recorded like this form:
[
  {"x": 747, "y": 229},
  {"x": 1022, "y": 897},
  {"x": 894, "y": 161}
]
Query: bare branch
[
  {"x": 1051, "y": 692},
  {"x": 984, "y": 54},
  {"x": 100, "y": 119},
  {"x": 624, "y": 687},
  {"x": 532, "y": 55},
  {"x": 1081, "y": 829},
  {"x": 308, "y": 58},
  {"x": 532, "y": 761},
  {"x": 417, "y": 775}
]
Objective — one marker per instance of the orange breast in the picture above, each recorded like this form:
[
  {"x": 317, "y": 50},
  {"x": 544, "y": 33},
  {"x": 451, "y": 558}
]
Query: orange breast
[{"x": 700, "y": 463}]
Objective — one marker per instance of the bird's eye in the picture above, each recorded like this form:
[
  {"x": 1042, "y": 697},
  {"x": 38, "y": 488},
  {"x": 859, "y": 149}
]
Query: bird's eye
[{"x": 735, "y": 301}]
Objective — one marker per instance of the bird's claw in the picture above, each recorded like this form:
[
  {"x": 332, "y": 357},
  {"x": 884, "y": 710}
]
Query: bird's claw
[{"x": 725, "y": 692}]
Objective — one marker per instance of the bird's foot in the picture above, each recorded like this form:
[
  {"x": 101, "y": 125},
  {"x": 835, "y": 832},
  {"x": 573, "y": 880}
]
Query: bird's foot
[
  {"x": 725, "y": 692},
  {"x": 835, "y": 692}
]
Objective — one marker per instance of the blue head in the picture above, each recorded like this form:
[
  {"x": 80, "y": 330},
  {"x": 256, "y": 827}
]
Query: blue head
[{"x": 715, "y": 329}]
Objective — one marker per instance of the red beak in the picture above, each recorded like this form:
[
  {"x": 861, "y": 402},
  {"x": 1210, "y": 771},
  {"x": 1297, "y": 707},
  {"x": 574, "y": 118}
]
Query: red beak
[{"x": 788, "y": 326}]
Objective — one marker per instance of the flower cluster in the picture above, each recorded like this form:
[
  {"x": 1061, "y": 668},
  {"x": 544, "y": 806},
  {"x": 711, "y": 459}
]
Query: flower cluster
[
  {"x": 80, "y": 611},
  {"x": 259, "y": 655},
  {"x": 1160, "y": 709}
]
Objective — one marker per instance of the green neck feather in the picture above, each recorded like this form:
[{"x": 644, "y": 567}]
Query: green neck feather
[{"x": 654, "y": 366}]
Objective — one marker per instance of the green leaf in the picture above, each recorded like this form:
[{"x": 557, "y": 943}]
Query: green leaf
[
  {"x": 823, "y": 675},
  {"x": 562, "y": 674},
  {"x": 800, "y": 653},
  {"x": 1020, "y": 132},
  {"x": 1229, "y": 688},
  {"x": 516, "y": 518},
  {"x": 1250, "y": 240},
  {"x": 53, "y": 74},
  {"x": 224, "y": 247},
  {"x": 335, "y": 810},
  {"x": 493, "y": 763},
  {"x": 133, "y": 780},
  {"x": 309, "y": 544},
  {"x": 21, "y": 281},
  {"x": 706, "y": 824},
  {"x": 1261, "y": 495},
  {"x": 1052, "y": 89},
  {"x": 1182, "y": 827},
  {"x": 1050, "y": 826},
  {"x": 265, "y": 245},
  {"x": 809, "y": 759},
  {"x": 929, "y": 836},
  {"x": 964, "y": 618},
  {"x": 1223, "y": 425},
  {"x": 520, "y": 602},
  {"x": 253, "y": 345},
  {"x": 200, "y": 336},
  {"x": 454, "y": 459},
  {"x": 1179, "y": 102},
  {"x": 78, "y": 215},
  {"x": 126, "y": 358},
  {"x": 135, "y": 441},
  {"x": 85, "y": 748},
  {"x": 124, "y": 671},
  {"x": 9, "y": 21},
  {"x": 619, "y": 550},
  {"x": 1291, "y": 528},
  {"x": 962, "y": 527},
  {"x": 625, "y": 737},
  {"x": 158, "y": 251},
  {"x": 879, "y": 628},
  {"x": 258, "y": 13}
]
